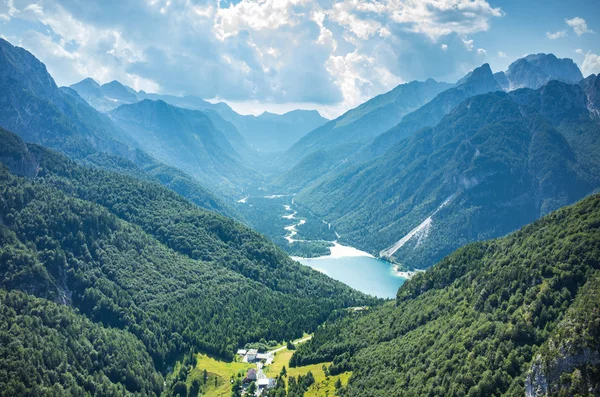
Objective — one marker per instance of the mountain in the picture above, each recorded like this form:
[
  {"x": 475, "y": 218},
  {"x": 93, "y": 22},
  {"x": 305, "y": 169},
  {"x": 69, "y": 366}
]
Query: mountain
[
  {"x": 591, "y": 86},
  {"x": 107, "y": 96},
  {"x": 370, "y": 119},
  {"x": 122, "y": 259},
  {"x": 479, "y": 81},
  {"x": 32, "y": 106},
  {"x": 183, "y": 138},
  {"x": 516, "y": 316},
  {"x": 275, "y": 133},
  {"x": 533, "y": 71},
  {"x": 267, "y": 133},
  {"x": 337, "y": 159},
  {"x": 493, "y": 164}
]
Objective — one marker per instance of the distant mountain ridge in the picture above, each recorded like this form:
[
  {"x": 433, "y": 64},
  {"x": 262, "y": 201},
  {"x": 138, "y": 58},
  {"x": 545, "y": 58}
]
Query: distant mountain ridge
[
  {"x": 267, "y": 132},
  {"x": 368, "y": 120},
  {"x": 186, "y": 139}
]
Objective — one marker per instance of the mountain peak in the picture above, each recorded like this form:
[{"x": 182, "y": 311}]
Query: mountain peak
[
  {"x": 535, "y": 70},
  {"x": 19, "y": 65},
  {"x": 88, "y": 81},
  {"x": 479, "y": 81}
]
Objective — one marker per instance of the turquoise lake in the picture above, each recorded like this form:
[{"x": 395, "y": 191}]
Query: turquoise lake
[{"x": 366, "y": 274}]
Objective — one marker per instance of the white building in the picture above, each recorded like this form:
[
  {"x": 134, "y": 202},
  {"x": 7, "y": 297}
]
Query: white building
[{"x": 251, "y": 355}]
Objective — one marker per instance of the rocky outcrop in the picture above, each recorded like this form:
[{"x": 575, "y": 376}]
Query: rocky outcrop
[
  {"x": 15, "y": 155},
  {"x": 545, "y": 379},
  {"x": 591, "y": 87}
]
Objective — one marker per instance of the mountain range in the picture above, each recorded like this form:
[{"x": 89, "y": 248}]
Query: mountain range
[
  {"x": 368, "y": 120},
  {"x": 267, "y": 132},
  {"x": 32, "y": 106},
  {"x": 496, "y": 162}
]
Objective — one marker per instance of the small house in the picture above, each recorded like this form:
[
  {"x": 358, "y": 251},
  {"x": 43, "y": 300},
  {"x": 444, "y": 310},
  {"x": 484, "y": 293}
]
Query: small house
[
  {"x": 251, "y": 355},
  {"x": 251, "y": 376}
]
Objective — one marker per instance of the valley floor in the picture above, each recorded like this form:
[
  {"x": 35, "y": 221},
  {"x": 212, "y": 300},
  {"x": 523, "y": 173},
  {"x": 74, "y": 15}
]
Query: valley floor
[{"x": 220, "y": 374}]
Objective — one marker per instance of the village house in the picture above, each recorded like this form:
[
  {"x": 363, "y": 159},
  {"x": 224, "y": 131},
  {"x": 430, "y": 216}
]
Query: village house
[
  {"x": 251, "y": 376},
  {"x": 251, "y": 355}
]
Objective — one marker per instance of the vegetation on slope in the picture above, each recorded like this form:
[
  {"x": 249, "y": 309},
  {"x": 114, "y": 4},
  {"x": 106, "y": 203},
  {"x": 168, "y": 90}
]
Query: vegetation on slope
[
  {"x": 50, "y": 349},
  {"x": 472, "y": 324},
  {"x": 132, "y": 255},
  {"x": 497, "y": 161}
]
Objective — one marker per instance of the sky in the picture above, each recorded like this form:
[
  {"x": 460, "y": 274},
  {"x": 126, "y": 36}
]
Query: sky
[{"x": 279, "y": 55}]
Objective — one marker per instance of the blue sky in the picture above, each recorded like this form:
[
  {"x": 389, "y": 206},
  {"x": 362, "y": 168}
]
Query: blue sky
[{"x": 278, "y": 55}]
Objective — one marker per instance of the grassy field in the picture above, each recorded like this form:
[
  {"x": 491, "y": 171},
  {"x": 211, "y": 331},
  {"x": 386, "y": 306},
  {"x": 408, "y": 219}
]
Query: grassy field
[
  {"x": 218, "y": 371},
  {"x": 222, "y": 372}
]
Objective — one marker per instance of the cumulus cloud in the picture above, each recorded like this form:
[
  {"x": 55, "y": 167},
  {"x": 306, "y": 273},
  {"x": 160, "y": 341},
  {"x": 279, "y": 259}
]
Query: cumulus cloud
[
  {"x": 481, "y": 51},
  {"x": 556, "y": 35},
  {"x": 281, "y": 51},
  {"x": 579, "y": 25},
  {"x": 502, "y": 54},
  {"x": 591, "y": 64},
  {"x": 469, "y": 44}
]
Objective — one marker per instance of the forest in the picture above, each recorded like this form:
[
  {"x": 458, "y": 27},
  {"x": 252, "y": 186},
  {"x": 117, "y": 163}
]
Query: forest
[
  {"x": 133, "y": 257},
  {"x": 476, "y": 322}
]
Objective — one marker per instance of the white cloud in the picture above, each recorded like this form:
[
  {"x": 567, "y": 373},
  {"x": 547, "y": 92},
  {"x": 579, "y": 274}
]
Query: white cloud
[
  {"x": 481, "y": 51},
  {"x": 591, "y": 64},
  {"x": 334, "y": 53},
  {"x": 579, "y": 25},
  {"x": 556, "y": 35},
  {"x": 502, "y": 54},
  {"x": 579, "y": 51},
  {"x": 468, "y": 43},
  {"x": 436, "y": 18}
]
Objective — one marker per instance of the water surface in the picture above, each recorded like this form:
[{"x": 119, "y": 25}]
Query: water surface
[{"x": 364, "y": 273}]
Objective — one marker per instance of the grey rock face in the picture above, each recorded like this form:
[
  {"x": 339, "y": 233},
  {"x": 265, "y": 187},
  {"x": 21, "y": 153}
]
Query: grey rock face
[{"x": 534, "y": 71}]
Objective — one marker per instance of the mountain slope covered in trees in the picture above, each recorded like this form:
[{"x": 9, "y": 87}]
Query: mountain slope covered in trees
[
  {"x": 134, "y": 256},
  {"x": 32, "y": 106},
  {"x": 477, "y": 322},
  {"x": 495, "y": 163},
  {"x": 186, "y": 139}
]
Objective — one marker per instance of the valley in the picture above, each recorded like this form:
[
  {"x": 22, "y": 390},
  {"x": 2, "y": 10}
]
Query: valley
[
  {"x": 314, "y": 243},
  {"x": 426, "y": 238}
]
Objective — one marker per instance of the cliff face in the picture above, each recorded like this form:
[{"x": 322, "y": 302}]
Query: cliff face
[
  {"x": 15, "y": 155},
  {"x": 568, "y": 364},
  {"x": 564, "y": 373}
]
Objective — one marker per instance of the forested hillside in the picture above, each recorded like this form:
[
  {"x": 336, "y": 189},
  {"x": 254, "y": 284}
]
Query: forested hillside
[
  {"x": 185, "y": 139},
  {"x": 476, "y": 322},
  {"x": 32, "y": 106},
  {"x": 493, "y": 164},
  {"x": 134, "y": 256},
  {"x": 51, "y": 349}
]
